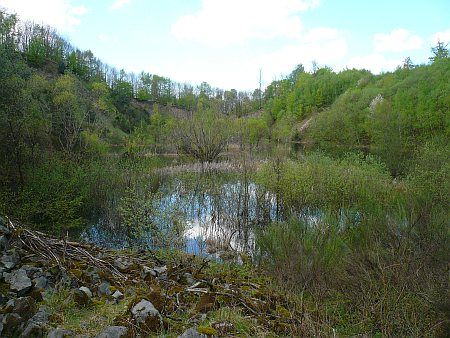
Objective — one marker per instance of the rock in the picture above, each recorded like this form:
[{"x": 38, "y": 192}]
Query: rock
[
  {"x": 188, "y": 279},
  {"x": 3, "y": 242},
  {"x": 19, "y": 281},
  {"x": 32, "y": 271},
  {"x": 60, "y": 333},
  {"x": 114, "y": 332},
  {"x": 192, "y": 333},
  {"x": 147, "y": 272},
  {"x": 82, "y": 296},
  {"x": 40, "y": 282},
  {"x": 25, "y": 306},
  {"x": 33, "y": 330},
  {"x": 3, "y": 228},
  {"x": 11, "y": 324},
  {"x": 117, "y": 295},
  {"x": 122, "y": 264},
  {"x": 160, "y": 270},
  {"x": 104, "y": 289},
  {"x": 10, "y": 261},
  {"x": 146, "y": 315}
]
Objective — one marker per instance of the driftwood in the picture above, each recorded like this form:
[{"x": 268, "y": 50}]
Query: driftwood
[{"x": 62, "y": 252}]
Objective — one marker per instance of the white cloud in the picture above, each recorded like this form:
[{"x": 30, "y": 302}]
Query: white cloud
[
  {"x": 119, "y": 4},
  {"x": 326, "y": 46},
  {"x": 443, "y": 36},
  {"x": 104, "y": 37},
  {"x": 60, "y": 14},
  {"x": 376, "y": 63},
  {"x": 221, "y": 23},
  {"x": 398, "y": 40}
]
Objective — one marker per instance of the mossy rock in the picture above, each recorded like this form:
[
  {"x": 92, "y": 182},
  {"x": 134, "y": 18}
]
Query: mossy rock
[{"x": 208, "y": 330}]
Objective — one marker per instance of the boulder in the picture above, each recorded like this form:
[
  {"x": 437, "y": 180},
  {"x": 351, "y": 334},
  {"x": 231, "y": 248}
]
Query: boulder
[
  {"x": 117, "y": 295},
  {"x": 10, "y": 261},
  {"x": 60, "y": 333},
  {"x": 192, "y": 333},
  {"x": 188, "y": 279},
  {"x": 114, "y": 332},
  {"x": 146, "y": 315},
  {"x": 82, "y": 296},
  {"x": 18, "y": 281},
  {"x": 123, "y": 264},
  {"x": 104, "y": 289},
  {"x": 40, "y": 282}
]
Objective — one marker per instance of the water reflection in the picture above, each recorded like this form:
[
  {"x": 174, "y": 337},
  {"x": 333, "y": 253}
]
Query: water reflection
[{"x": 218, "y": 214}]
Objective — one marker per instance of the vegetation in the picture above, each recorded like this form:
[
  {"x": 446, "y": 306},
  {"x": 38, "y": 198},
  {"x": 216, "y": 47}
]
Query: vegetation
[{"x": 356, "y": 165}]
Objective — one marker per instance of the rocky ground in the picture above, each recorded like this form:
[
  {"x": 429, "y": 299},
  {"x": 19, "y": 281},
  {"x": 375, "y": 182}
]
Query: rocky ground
[{"x": 51, "y": 287}]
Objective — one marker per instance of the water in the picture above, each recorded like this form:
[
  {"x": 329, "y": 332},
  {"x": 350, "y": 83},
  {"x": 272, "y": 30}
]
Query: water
[{"x": 202, "y": 213}]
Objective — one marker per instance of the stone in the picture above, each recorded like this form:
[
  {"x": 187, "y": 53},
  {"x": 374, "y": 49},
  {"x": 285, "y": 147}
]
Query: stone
[
  {"x": 25, "y": 306},
  {"x": 146, "y": 315},
  {"x": 147, "y": 272},
  {"x": 188, "y": 279},
  {"x": 160, "y": 270},
  {"x": 33, "y": 330},
  {"x": 3, "y": 228},
  {"x": 82, "y": 296},
  {"x": 122, "y": 264},
  {"x": 11, "y": 324},
  {"x": 19, "y": 281},
  {"x": 104, "y": 289},
  {"x": 40, "y": 282},
  {"x": 3, "y": 242},
  {"x": 31, "y": 271},
  {"x": 10, "y": 261},
  {"x": 192, "y": 333},
  {"x": 114, "y": 332},
  {"x": 60, "y": 333},
  {"x": 117, "y": 295}
]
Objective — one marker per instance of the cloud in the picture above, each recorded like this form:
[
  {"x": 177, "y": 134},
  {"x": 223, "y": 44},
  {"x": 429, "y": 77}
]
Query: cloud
[
  {"x": 326, "y": 46},
  {"x": 398, "y": 40},
  {"x": 222, "y": 23},
  {"x": 104, "y": 37},
  {"x": 376, "y": 63},
  {"x": 119, "y": 4},
  {"x": 443, "y": 36},
  {"x": 60, "y": 14}
]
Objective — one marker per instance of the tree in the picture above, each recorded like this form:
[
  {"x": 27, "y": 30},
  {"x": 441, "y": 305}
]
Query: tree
[
  {"x": 440, "y": 51},
  {"x": 203, "y": 136}
]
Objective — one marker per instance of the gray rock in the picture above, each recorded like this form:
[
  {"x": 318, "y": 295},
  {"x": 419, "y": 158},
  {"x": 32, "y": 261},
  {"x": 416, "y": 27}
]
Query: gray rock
[
  {"x": 40, "y": 282},
  {"x": 143, "y": 310},
  {"x": 10, "y": 261},
  {"x": 117, "y": 295},
  {"x": 82, "y": 296},
  {"x": 114, "y": 332},
  {"x": 60, "y": 333},
  {"x": 32, "y": 271},
  {"x": 188, "y": 279},
  {"x": 3, "y": 228},
  {"x": 104, "y": 290},
  {"x": 160, "y": 269},
  {"x": 122, "y": 264},
  {"x": 192, "y": 333},
  {"x": 147, "y": 272},
  {"x": 18, "y": 281},
  {"x": 33, "y": 330},
  {"x": 41, "y": 316},
  {"x": 3, "y": 242}
]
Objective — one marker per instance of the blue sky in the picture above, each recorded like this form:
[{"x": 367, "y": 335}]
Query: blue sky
[{"x": 226, "y": 42}]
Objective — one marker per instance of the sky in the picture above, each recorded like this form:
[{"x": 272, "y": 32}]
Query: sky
[{"x": 227, "y": 42}]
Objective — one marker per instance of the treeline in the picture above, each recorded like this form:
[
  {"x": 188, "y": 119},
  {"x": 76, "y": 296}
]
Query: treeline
[{"x": 43, "y": 48}]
